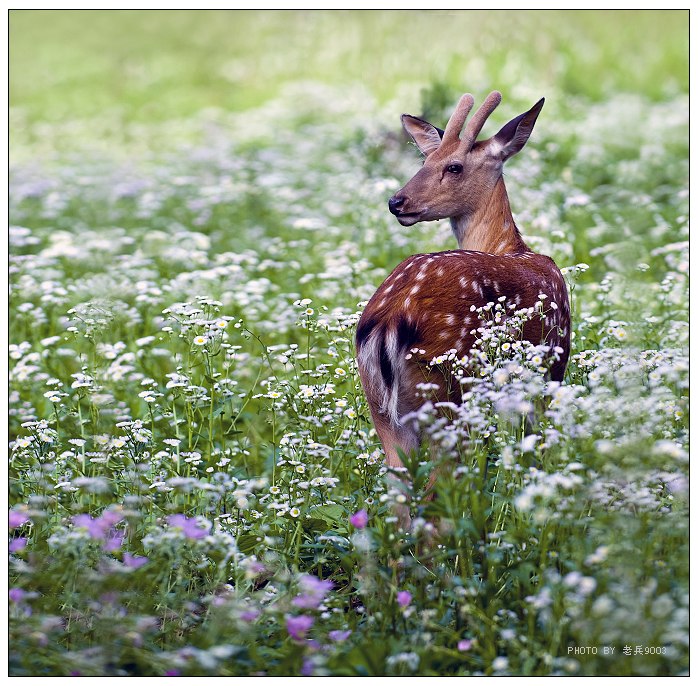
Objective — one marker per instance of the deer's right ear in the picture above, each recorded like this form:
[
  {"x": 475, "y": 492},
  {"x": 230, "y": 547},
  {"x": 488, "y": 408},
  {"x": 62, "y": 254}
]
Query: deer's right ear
[{"x": 427, "y": 137}]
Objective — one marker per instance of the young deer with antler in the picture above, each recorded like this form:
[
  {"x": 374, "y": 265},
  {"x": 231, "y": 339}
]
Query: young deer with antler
[{"x": 425, "y": 303}]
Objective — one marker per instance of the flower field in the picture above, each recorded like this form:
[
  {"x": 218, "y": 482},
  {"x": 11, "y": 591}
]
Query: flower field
[{"x": 195, "y": 485}]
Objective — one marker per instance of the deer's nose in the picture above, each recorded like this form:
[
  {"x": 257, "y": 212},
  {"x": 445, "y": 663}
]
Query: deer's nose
[{"x": 395, "y": 203}]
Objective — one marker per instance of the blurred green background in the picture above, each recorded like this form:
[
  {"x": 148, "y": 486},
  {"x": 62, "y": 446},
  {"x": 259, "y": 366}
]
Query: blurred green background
[{"x": 152, "y": 65}]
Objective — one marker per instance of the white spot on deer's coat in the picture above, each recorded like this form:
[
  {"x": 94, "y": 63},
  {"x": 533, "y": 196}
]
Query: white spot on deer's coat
[
  {"x": 450, "y": 319},
  {"x": 414, "y": 289}
]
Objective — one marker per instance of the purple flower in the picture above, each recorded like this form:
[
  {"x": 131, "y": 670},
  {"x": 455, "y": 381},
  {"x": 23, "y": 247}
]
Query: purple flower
[
  {"x": 314, "y": 592},
  {"x": 249, "y": 615},
  {"x": 94, "y": 526},
  {"x": 189, "y": 526},
  {"x": 306, "y": 602},
  {"x": 298, "y": 626},
  {"x": 17, "y": 595},
  {"x": 404, "y": 598},
  {"x": 134, "y": 561},
  {"x": 308, "y": 667},
  {"x": 98, "y": 527},
  {"x": 109, "y": 518},
  {"x": 359, "y": 519},
  {"x": 465, "y": 644},
  {"x": 172, "y": 672},
  {"x": 255, "y": 567},
  {"x": 339, "y": 635},
  {"x": 113, "y": 542},
  {"x": 17, "y": 544},
  {"x": 311, "y": 584},
  {"x": 17, "y": 518}
]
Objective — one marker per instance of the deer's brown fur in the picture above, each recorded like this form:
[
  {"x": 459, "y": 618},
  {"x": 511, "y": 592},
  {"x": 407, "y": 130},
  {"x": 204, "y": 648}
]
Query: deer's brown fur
[{"x": 423, "y": 308}]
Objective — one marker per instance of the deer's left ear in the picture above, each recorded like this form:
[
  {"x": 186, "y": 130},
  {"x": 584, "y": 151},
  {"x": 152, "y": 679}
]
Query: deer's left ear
[
  {"x": 513, "y": 136},
  {"x": 427, "y": 137}
]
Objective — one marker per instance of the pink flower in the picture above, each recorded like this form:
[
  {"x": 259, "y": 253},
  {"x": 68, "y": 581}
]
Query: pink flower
[
  {"x": 359, "y": 519},
  {"x": 297, "y": 627},
  {"x": 465, "y": 644},
  {"x": 404, "y": 598}
]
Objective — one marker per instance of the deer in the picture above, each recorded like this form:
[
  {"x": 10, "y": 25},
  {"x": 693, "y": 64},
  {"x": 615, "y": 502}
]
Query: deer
[{"x": 425, "y": 306}]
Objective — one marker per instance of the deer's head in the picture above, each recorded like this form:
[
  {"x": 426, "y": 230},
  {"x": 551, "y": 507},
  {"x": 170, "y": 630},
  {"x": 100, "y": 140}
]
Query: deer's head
[{"x": 459, "y": 172}]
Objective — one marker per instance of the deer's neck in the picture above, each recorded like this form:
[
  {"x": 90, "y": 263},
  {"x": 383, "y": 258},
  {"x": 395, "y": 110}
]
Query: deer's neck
[{"x": 491, "y": 227}]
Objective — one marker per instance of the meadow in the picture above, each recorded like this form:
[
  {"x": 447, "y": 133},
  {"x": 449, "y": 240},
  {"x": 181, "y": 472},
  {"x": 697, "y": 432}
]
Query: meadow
[{"x": 198, "y": 214}]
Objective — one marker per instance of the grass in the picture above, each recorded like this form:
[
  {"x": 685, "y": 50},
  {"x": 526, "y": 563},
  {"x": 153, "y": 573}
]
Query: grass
[
  {"x": 195, "y": 484},
  {"x": 154, "y": 66}
]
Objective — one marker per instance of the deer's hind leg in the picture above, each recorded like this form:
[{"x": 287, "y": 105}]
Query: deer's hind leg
[{"x": 398, "y": 440}]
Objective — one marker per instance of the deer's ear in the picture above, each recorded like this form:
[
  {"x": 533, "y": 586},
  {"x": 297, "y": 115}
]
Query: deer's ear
[
  {"x": 427, "y": 137},
  {"x": 513, "y": 136}
]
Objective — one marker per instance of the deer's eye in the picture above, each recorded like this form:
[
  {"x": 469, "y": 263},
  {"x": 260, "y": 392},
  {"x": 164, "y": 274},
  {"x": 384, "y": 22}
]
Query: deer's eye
[{"x": 454, "y": 168}]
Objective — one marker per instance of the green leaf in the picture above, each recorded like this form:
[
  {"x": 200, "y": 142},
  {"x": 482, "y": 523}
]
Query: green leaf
[
  {"x": 247, "y": 543},
  {"x": 329, "y": 513}
]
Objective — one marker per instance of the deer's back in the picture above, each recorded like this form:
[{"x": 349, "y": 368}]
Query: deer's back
[{"x": 426, "y": 304}]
